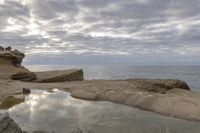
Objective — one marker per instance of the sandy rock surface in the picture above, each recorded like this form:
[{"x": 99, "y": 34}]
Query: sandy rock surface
[{"x": 177, "y": 102}]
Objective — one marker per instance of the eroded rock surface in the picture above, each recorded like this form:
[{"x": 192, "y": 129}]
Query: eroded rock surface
[
  {"x": 14, "y": 56},
  {"x": 59, "y": 76},
  {"x": 11, "y": 68},
  {"x": 24, "y": 76},
  {"x": 10, "y": 63},
  {"x": 7, "y": 125}
]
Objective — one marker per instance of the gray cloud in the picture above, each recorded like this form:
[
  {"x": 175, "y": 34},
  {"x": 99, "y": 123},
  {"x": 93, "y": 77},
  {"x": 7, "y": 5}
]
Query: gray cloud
[{"x": 140, "y": 30}]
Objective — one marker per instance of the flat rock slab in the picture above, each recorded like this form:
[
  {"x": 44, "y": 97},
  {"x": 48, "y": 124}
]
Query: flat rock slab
[
  {"x": 59, "y": 76},
  {"x": 177, "y": 102}
]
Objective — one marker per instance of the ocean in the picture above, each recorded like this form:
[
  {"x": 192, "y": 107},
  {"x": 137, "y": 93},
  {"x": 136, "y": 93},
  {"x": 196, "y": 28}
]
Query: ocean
[{"x": 190, "y": 74}]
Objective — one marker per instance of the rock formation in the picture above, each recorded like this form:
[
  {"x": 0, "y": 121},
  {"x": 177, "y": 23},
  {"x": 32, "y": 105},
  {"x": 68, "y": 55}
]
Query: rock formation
[
  {"x": 59, "y": 76},
  {"x": 24, "y": 76},
  {"x": 11, "y": 68},
  {"x": 1, "y": 48},
  {"x": 7, "y": 125}
]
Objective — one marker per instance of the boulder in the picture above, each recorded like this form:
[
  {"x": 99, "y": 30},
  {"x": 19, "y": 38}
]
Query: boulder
[
  {"x": 26, "y": 91},
  {"x": 159, "y": 85},
  {"x": 7, "y": 125},
  {"x": 59, "y": 76},
  {"x": 14, "y": 56},
  {"x": 8, "y": 48},
  {"x": 24, "y": 76},
  {"x": 1, "y": 48}
]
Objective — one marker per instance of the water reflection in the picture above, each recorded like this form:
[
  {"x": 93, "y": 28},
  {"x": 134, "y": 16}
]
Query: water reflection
[{"x": 57, "y": 111}]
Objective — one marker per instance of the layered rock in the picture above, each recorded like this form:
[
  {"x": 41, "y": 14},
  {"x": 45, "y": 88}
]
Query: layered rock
[
  {"x": 11, "y": 68},
  {"x": 159, "y": 85},
  {"x": 59, "y": 76},
  {"x": 14, "y": 56},
  {"x": 10, "y": 65},
  {"x": 24, "y": 76}
]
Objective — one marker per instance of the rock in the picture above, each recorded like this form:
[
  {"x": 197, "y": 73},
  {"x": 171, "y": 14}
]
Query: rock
[
  {"x": 59, "y": 76},
  {"x": 81, "y": 94},
  {"x": 1, "y": 48},
  {"x": 77, "y": 130},
  {"x": 40, "y": 131},
  {"x": 24, "y": 76},
  {"x": 10, "y": 101},
  {"x": 159, "y": 85},
  {"x": 15, "y": 56},
  {"x": 26, "y": 91},
  {"x": 8, "y": 48},
  {"x": 7, "y": 125}
]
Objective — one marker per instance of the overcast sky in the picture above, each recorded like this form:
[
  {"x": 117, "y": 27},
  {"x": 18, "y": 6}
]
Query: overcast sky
[{"x": 103, "y": 31}]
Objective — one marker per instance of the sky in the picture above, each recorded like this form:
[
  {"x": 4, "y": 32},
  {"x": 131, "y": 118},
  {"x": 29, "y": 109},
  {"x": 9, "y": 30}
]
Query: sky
[{"x": 136, "y": 32}]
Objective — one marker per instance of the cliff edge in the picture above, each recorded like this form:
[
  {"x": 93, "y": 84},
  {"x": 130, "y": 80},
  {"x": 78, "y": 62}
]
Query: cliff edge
[{"x": 11, "y": 68}]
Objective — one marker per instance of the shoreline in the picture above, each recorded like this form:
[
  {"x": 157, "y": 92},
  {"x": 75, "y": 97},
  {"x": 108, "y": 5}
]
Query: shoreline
[{"x": 177, "y": 103}]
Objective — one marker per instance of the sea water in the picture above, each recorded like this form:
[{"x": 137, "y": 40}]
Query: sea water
[{"x": 190, "y": 74}]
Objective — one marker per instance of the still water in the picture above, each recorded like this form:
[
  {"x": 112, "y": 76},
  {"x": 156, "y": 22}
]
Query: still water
[
  {"x": 56, "y": 111},
  {"x": 190, "y": 74}
]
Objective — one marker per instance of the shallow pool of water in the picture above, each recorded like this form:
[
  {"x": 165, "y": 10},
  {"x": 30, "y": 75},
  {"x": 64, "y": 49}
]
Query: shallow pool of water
[{"x": 56, "y": 111}]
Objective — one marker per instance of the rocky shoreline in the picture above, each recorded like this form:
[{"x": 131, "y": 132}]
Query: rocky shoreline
[{"x": 169, "y": 97}]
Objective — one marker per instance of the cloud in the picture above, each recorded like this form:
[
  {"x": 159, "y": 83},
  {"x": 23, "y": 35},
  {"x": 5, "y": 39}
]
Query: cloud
[{"x": 128, "y": 29}]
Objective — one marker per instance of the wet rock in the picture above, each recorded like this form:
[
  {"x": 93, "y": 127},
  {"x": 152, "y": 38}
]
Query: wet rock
[
  {"x": 26, "y": 91},
  {"x": 7, "y": 125},
  {"x": 24, "y": 76},
  {"x": 14, "y": 56},
  {"x": 10, "y": 101}
]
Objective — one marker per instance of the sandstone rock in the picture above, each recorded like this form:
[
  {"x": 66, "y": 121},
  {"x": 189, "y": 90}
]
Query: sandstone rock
[
  {"x": 26, "y": 91},
  {"x": 24, "y": 76},
  {"x": 1, "y": 48},
  {"x": 59, "y": 76},
  {"x": 7, "y": 125},
  {"x": 15, "y": 56},
  {"x": 159, "y": 85},
  {"x": 8, "y": 48},
  {"x": 12, "y": 100},
  {"x": 40, "y": 131}
]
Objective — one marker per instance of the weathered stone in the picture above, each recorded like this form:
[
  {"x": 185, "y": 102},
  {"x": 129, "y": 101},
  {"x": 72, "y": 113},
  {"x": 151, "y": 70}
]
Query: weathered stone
[
  {"x": 59, "y": 76},
  {"x": 159, "y": 85},
  {"x": 12, "y": 100},
  {"x": 40, "y": 131},
  {"x": 7, "y": 125},
  {"x": 8, "y": 48},
  {"x": 26, "y": 91},
  {"x": 24, "y": 76},
  {"x": 15, "y": 56},
  {"x": 1, "y": 48}
]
